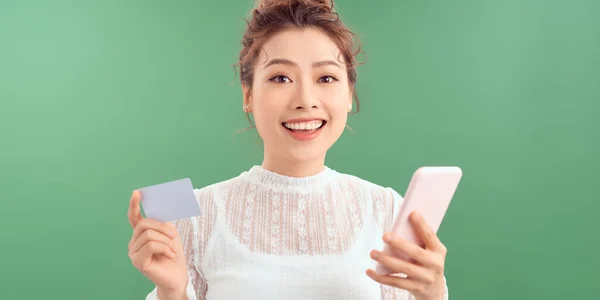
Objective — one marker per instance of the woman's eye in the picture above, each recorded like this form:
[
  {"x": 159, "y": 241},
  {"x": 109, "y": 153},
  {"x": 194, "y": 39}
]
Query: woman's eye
[
  {"x": 280, "y": 79},
  {"x": 327, "y": 79}
]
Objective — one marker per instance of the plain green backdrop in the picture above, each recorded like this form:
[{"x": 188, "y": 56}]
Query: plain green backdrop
[{"x": 98, "y": 98}]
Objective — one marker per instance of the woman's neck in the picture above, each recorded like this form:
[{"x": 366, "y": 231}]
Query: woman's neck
[{"x": 293, "y": 168}]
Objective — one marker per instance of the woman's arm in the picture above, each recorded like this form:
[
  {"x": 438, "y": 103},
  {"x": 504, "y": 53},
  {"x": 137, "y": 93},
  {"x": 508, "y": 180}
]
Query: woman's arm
[
  {"x": 193, "y": 232},
  {"x": 196, "y": 287}
]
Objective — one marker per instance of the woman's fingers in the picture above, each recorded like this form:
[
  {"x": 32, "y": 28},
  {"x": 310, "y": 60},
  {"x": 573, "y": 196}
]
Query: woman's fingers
[
  {"x": 397, "y": 282},
  {"x": 133, "y": 214},
  {"x": 152, "y": 248},
  {"x": 431, "y": 240},
  {"x": 144, "y": 224},
  {"x": 152, "y": 235},
  {"x": 396, "y": 265},
  {"x": 142, "y": 259},
  {"x": 419, "y": 254}
]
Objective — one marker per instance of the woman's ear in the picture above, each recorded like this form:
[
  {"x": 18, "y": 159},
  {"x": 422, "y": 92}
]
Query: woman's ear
[
  {"x": 350, "y": 100},
  {"x": 247, "y": 98}
]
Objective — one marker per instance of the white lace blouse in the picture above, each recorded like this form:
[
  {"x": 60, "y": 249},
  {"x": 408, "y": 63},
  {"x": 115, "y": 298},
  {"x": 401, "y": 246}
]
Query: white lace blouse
[{"x": 267, "y": 236}]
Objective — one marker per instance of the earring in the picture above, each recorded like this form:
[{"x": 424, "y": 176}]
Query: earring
[
  {"x": 350, "y": 107},
  {"x": 247, "y": 107}
]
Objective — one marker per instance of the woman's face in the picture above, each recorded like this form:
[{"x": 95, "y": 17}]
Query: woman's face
[{"x": 300, "y": 96}]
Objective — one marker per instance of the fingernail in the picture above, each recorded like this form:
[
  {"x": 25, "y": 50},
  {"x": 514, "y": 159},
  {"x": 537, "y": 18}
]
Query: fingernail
[
  {"x": 387, "y": 237},
  {"x": 374, "y": 254},
  {"x": 416, "y": 216}
]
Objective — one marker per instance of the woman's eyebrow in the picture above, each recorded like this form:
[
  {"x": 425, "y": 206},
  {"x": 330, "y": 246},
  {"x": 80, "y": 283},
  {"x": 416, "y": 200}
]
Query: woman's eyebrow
[{"x": 284, "y": 61}]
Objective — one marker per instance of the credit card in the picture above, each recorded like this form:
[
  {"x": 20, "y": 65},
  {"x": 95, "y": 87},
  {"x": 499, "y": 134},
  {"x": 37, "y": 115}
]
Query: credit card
[{"x": 170, "y": 201}]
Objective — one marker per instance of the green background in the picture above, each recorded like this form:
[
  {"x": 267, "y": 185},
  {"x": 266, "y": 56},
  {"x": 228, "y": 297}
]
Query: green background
[{"x": 98, "y": 98}]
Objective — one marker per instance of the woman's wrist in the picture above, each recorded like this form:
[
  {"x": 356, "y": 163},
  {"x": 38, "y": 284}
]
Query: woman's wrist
[{"x": 172, "y": 294}]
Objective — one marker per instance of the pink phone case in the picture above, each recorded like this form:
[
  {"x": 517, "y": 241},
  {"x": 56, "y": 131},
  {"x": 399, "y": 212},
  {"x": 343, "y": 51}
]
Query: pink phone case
[{"x": 430, "y": 191}]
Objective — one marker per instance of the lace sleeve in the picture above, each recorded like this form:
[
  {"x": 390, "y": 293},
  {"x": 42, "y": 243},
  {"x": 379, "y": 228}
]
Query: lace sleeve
[
  {"x": 388, "y": 292},
  {"x": 193, "y": 232}
]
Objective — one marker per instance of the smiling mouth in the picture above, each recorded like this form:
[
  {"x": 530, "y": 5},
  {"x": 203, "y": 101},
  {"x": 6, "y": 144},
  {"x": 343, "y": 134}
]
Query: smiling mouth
[{"x": 304, "y": 127}]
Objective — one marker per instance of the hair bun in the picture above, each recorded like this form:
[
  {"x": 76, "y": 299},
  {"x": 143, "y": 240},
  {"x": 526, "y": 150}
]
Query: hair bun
[{"x": 266, "y": 4}]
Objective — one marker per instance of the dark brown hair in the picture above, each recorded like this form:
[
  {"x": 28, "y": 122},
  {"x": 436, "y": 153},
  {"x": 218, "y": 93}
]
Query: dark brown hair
[{"x": 272, "y": 16}]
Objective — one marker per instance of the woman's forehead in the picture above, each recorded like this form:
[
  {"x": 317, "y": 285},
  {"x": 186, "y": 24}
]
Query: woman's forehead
[{"x": 300, "y": 46}]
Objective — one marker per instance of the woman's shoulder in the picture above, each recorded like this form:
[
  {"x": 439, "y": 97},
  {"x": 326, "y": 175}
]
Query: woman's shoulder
[
  {"x": 368, "y": 185},
  {"x": 208, "y": 191},
  {"x": 385, "y": 199}
]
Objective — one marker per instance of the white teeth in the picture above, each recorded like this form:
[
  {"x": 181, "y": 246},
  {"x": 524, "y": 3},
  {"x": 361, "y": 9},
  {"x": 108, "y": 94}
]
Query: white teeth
[{"x": 312, "y": 125}]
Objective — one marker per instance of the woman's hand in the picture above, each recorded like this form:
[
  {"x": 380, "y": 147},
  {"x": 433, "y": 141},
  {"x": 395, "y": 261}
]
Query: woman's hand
[
  {"x": 425, "y": 278},
  {"x": 155, "y": 250}
]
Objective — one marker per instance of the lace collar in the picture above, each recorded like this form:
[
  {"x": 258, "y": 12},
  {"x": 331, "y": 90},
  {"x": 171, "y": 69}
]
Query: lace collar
[{"x": 262, "y": 176}]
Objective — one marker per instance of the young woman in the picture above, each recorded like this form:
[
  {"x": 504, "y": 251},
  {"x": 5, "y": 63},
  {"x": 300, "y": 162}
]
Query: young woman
[{"x": 290, "y": 228}]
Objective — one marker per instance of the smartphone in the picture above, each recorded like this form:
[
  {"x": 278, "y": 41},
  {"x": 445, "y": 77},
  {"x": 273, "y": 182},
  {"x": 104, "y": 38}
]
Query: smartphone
[{"x": 430, "y": 191}]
